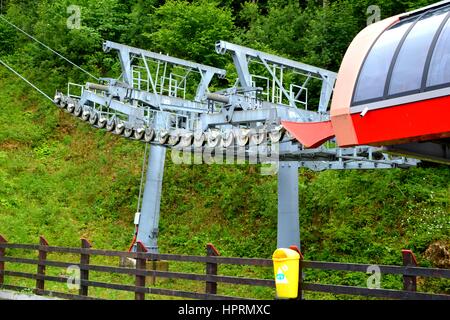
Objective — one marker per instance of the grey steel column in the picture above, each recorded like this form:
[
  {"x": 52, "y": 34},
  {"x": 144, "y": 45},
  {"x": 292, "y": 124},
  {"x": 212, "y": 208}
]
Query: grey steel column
[
  {"x": 149, "y": 220},
  {"x": 288, "y": 216}
]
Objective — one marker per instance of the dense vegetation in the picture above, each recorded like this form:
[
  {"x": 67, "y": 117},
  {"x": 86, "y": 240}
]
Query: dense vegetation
[{"x": 63, "y": 179}]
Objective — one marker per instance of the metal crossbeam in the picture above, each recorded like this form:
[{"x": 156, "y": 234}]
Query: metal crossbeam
[
  {"x": 222, "y": 47},
  {"x": 109, "y": 45},
  {"x": 241, "y": 56},
  {"x": 206, "y": 72}
]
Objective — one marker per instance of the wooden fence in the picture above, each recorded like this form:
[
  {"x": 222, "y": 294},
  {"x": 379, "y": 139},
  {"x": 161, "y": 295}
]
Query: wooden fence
[{"x": 211, "y": 279}]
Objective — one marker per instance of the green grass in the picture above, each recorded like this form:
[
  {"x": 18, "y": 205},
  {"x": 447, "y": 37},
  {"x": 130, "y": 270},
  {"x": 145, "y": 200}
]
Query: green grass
[{"x": 65, "y": 180}]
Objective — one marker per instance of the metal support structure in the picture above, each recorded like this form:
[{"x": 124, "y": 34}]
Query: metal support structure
[
  {"x": 222, "y": 47},
  {"x": 326, "y": 92},
  {"x": 159, "y": 116},
  {"x": 150, "y": 212},
  {"x": 241, "y": 63},
  {"x": 241, "y": 56},
  {"x": 125, "y": 62},
  {"x": 288, "y": 233},
  {"x": 207, "y": 72},
  {"x": 207, "y": 76}
]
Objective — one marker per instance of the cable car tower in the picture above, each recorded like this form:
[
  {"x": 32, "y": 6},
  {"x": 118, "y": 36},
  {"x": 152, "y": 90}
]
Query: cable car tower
[
  {"x": 166, "y": 102},
  {"x": 153, "y": 101}
]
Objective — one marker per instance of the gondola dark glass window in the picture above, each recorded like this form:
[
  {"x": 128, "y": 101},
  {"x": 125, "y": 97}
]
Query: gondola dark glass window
[
  {"x": 372, "y": 78},
  {"x": 440, "y": 63},
  {"x": 410, "y": 64}
]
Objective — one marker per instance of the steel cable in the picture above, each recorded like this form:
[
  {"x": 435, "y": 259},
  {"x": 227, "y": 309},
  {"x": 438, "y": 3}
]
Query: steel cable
[
  {"x": 24, "y": 79},
  {"x": 47, "y": 47}
]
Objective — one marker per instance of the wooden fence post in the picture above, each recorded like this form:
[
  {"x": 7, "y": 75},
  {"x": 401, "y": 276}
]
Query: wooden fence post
[
  {"x": 84, "y": 273},
  {"x": 409, "y": 282},
  {"x": 300, "y": 278},
  {"x": 141, "y": 264},
  {"x": 2, "y": 263},
  {"x": 211, "y": 269},
  {"x": 42, "y": 257}
]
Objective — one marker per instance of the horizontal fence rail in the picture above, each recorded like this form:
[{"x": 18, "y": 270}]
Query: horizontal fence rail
[
  {"x": 211, "y": 278},
  {"x": 398, "y": 270},
  {"x": 148, "y": 256}
]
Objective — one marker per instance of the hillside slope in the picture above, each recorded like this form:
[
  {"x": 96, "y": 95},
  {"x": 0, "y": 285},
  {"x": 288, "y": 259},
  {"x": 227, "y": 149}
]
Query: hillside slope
[
  {"x": 65, "y": 176},
  {"x": 65, "y": 180}
]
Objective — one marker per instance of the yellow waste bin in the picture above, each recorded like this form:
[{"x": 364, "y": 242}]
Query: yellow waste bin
[{"x": 286, "y": 267}]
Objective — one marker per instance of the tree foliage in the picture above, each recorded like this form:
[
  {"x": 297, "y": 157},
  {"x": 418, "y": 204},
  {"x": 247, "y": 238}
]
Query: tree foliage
[
  {"x": 312, "y": 31},
  {"x": 190, "y": 30}
]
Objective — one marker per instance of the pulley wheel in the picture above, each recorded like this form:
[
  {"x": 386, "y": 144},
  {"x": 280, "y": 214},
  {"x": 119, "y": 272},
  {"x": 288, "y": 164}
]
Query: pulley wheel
[
  {"x": 102, "y": 122},
  {"x": 242, "y": 138},
  {"x": 199, "y": 139},
  {"x": 78, "y": 110},
  {"x": 85, "y": 115},
  {"x": 70, "y": 107},
  {"x": 163, "y": 136},
  {"x": 149, "y": 135},
  {"x": 139, "y": 133},
  {"x": 186, "y": 140},
  {"x": 213, "y": 139},
  {"x": 120, "y": 127},
  {"x": 276, "y": 134},
  {"x": 174, "y": 139},
  {"x": 128, "y": 132},
  {"x": 258, "y": 137},
  {"x": 227, "y": 139},
  {"x": 110, "y": 125},
  {"x": 93, "y": 118}
]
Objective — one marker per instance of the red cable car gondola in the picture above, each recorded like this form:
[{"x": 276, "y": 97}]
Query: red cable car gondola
[{"x": 393, "y": 88}]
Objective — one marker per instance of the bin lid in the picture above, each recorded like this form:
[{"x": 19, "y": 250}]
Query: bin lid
[{"x": 285, "y": 254}]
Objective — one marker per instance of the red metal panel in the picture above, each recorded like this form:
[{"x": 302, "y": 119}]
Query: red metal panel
[
  {"x": 418, "y": 121},
  {"x": 310, "y": 134}
]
